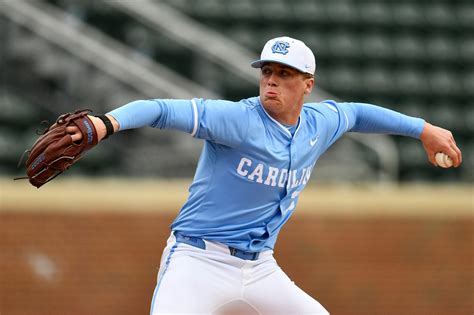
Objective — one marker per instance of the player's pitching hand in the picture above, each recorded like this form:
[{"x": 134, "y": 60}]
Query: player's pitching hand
[{"x": 436, "y": 139}]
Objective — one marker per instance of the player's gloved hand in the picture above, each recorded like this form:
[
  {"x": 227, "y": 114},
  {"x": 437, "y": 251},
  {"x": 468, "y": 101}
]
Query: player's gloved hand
[
  {"x": 99, "y": 125},
  {"x": 55, "y": 150},
  {"x": 436, "y": 139},
  {"x": 61, "y": 145}
]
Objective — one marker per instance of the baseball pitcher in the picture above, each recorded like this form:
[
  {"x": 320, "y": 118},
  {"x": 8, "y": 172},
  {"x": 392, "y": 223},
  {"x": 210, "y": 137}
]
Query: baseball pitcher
[{"x": 258, "y": 156}]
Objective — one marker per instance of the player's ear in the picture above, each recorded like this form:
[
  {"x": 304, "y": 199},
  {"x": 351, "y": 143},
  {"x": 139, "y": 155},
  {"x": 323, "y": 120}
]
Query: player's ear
[{"x": 309, "y": 84}]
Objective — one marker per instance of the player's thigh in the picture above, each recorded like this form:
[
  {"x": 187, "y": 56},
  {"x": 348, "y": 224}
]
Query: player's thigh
[
  {"x": 190, "y": 284},
  {"x": 277, "y": 294}
]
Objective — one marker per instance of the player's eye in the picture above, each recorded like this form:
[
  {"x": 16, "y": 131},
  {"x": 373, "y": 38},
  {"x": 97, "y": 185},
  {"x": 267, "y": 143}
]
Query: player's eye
[{"x": 266, "y": 71}]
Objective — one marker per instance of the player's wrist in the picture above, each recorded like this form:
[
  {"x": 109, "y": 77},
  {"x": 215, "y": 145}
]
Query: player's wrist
[
  {"x": 426, "y": 131},
  {"x": 106, "y": 127},
  {"x": 115, "y": 124}
]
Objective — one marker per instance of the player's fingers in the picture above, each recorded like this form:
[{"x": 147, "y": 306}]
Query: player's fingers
[
  {"x": 454, "y": 157},
  {"x": 75, "y": 133},
  {"x": 76, "y": 137},
  {"x": 458, "y": 151},
  {"x": 453, "y": 151},
  {"x": 457, "y": 160},
  {"x": 72, "y": 129}
]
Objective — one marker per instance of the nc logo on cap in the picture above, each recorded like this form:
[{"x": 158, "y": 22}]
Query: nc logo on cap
[{"x": 280, "y": 47}]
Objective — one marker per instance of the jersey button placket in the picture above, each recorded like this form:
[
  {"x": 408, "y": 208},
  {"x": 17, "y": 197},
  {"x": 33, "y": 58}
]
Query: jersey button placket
[{"x": 292, "y": 151}]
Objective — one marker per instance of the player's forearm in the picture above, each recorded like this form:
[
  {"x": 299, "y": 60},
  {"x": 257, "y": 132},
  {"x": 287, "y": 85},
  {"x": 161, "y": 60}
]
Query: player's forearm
[
  {"x": 375, "y": 119},
  {"x": 158, "y": 113},
  {"x": 135, "y": 114}
]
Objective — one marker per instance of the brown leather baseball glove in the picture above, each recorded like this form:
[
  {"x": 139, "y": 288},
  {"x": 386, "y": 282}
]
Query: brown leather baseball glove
[{"x": 54, "y": 151}]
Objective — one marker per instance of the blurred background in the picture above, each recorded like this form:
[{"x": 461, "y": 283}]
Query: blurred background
[{"x": 379, "y": 230}]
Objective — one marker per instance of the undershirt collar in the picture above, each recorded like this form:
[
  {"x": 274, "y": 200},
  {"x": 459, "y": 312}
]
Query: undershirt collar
[{"x": 291, "y": 128}]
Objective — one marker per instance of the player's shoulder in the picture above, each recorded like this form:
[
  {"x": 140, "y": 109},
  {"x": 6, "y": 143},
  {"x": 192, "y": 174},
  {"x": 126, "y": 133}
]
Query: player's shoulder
[
  {"x": 249, "y": 103},
  {"x": 323, "y": 107}
]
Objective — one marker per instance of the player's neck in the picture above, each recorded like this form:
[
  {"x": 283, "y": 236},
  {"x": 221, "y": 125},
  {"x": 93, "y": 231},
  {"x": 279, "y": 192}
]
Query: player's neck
[
  {"x": 289, "y": 118},
  {"x": 288, "y": 122}
]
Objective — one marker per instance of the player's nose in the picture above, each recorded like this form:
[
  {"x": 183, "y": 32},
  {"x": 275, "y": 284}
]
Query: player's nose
[{"x": 272, "y": 80}]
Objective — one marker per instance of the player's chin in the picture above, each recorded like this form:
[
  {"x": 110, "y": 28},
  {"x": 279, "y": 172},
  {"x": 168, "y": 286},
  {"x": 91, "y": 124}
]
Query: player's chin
[{"x": 271, "y": 102}]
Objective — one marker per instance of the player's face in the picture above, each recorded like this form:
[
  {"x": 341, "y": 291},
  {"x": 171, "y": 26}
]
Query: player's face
[{"x": 282, "y": 91}]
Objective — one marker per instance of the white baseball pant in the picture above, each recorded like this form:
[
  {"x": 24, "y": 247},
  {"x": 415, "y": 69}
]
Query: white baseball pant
[{"x": 192, "y": 280}]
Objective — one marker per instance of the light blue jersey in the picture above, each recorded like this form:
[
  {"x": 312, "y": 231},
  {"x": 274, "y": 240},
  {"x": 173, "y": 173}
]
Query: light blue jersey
[{"x": 252, "y": 169}]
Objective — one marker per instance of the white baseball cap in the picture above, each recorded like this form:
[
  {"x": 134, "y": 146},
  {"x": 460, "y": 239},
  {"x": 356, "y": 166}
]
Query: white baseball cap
[{"x": 288, "y": 51}]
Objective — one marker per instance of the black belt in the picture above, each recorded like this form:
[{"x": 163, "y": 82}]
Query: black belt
[{"x": 199, "y": 243}]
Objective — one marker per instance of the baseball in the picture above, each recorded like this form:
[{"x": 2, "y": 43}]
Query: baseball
[{"x": 443, "y": 160}]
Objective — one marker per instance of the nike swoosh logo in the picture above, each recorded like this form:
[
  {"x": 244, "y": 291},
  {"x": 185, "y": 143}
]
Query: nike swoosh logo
[{"x": 312, "y": 142}]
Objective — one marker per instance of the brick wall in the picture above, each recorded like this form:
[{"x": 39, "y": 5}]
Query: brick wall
[{"x": 106, "y": 263}]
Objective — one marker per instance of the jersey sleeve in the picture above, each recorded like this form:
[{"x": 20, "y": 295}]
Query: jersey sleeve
[
  {"x": 369, "y": 118},
  {"x": 158, "y": 113},
  {"x": 223, "y": 122},
  {"x": 366, "y": 118}
]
